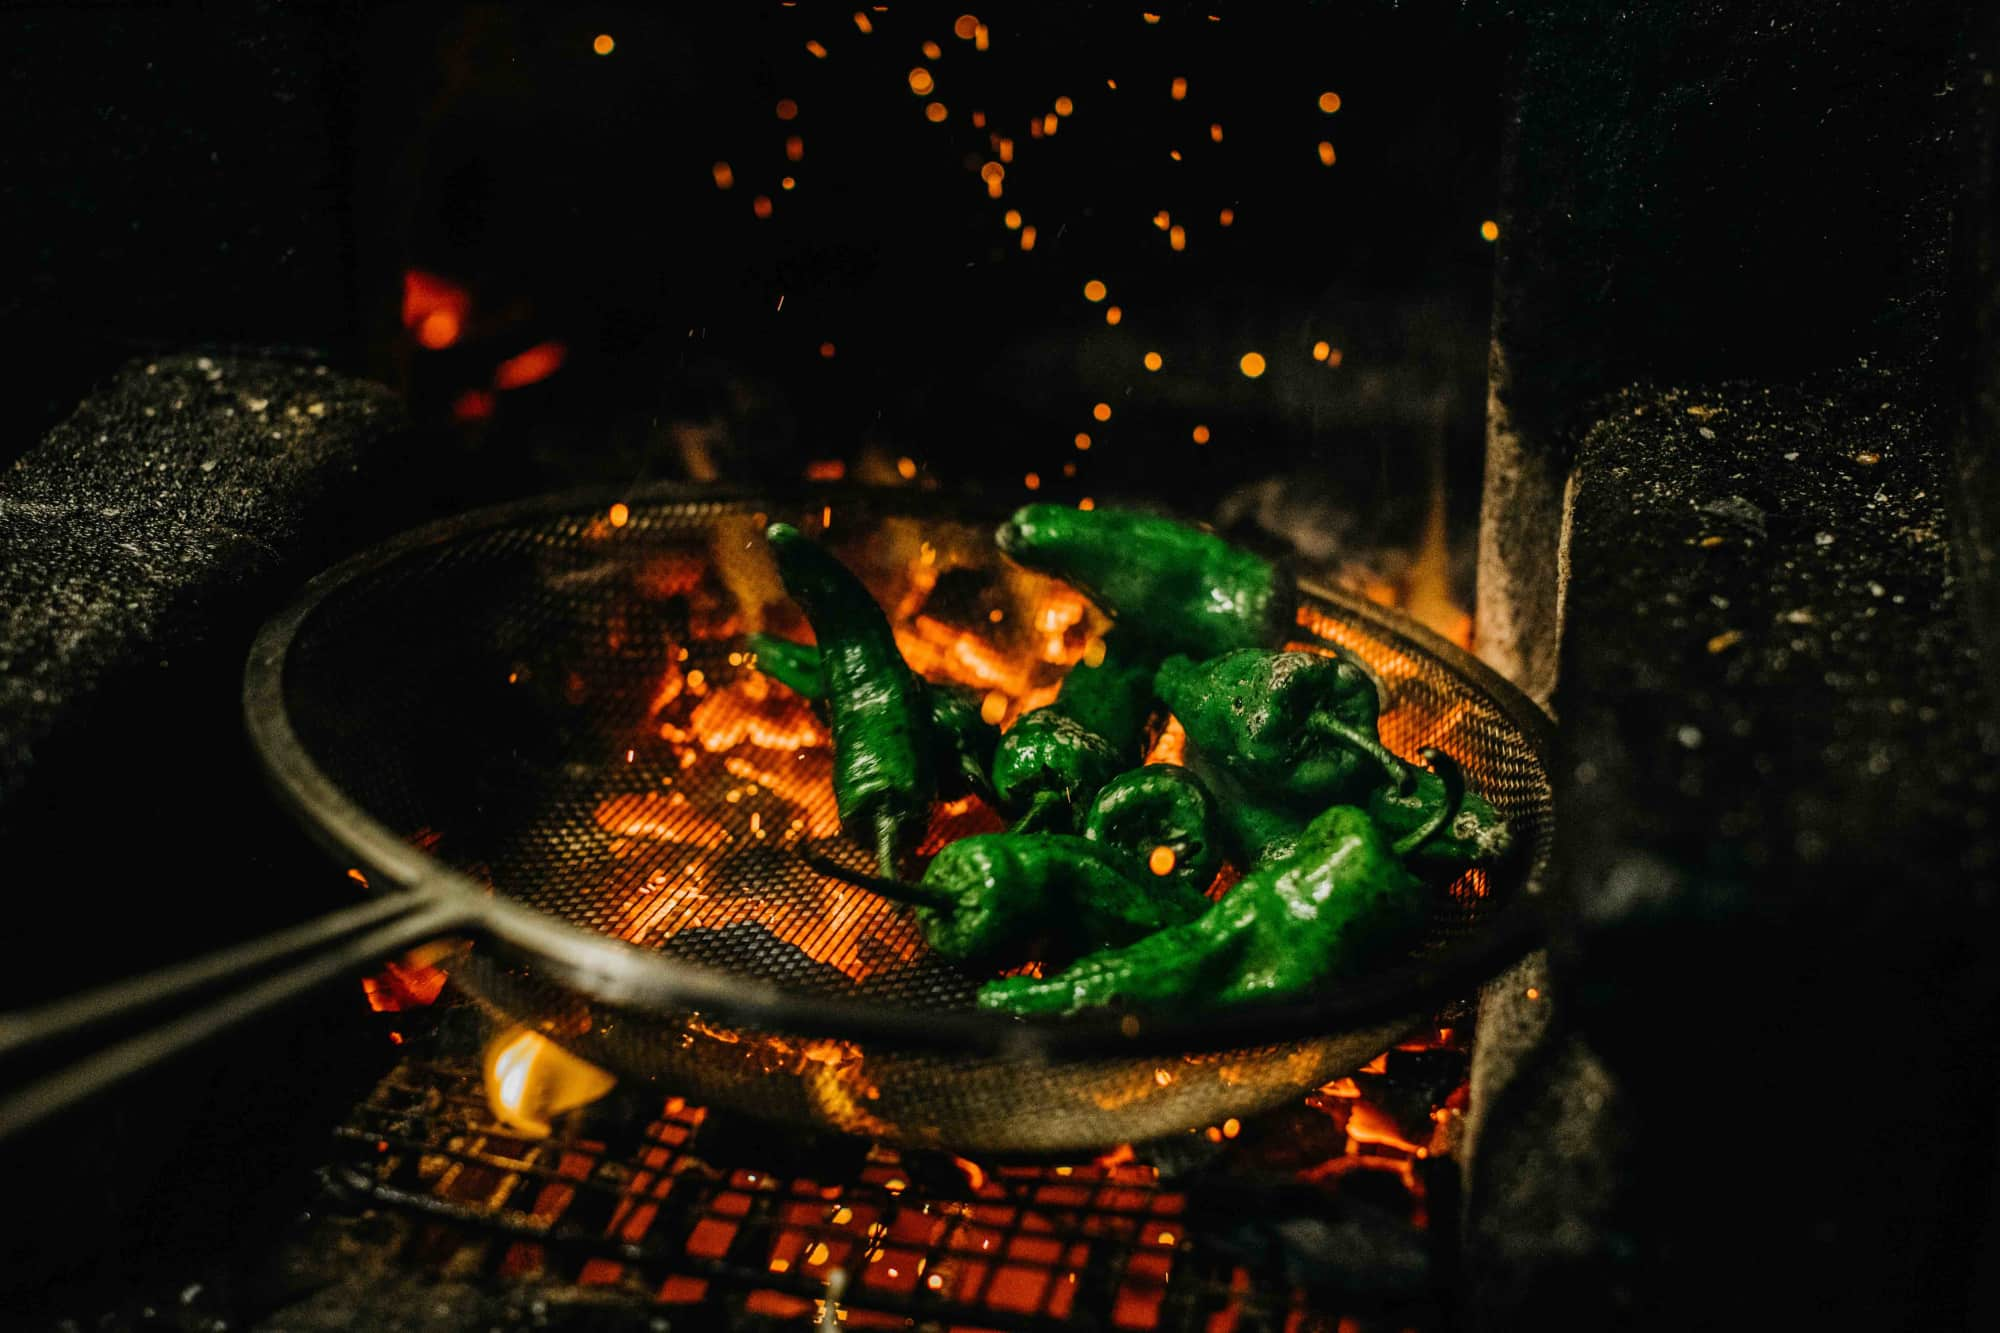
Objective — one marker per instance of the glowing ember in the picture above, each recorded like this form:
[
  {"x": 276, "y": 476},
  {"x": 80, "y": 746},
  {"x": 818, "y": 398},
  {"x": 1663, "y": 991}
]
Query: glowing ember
[{"x": 530, "y": 1080}]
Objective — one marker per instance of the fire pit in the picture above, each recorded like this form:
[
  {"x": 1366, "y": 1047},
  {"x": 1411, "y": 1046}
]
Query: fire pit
[{"x": 545, "y": 722}]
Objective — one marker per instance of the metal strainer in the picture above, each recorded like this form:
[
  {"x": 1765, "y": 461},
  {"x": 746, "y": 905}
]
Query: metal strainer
[{"x": 543, "y": 721}]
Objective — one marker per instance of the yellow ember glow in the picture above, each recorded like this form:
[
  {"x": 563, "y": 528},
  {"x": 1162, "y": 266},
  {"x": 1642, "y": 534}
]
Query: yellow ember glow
[
  {"x": 1033, "y": 481},
  {"x": 1252, "y": 364},
  {"x": 1320, "y": 350},
  {"x": 1333, "y": 357},
  {"x": 787, "y": 109},
  {"x": 1050, "y": 122},
  {"x": 921, "y": 82},
  {"x": 1329, "y": 102},
  {"x": 935, "y": 113},
  {"x": 1113, "y": 314},
  {"x": 1177, "y": 237},
  {"x": 932, "y": 50},
  {"x": 1013, "y": 219},
  {"x": 1064, "y": 106},
  {"x": 1150, "y": 18},
  {"x": 1093, "y": 290},
  {"x": 1161, "y": 862},
  {"x": 994, "y": 187},
  {"x": 1227, "y": 217},
  {"x": 724, "y": 177},
  {"x": 979, "y": 120},
  {"x": 906, "y": 468},
  {"x": 795, "y": 148},
  {"x": 761, "y": 205},
  {"x": 861, "y": 22},
  {"x": 786, "y": 183},
  {"x": 1102, "y": 411},
  {"x": 1215, "y": 133},
  {"x": 992, "y": 708},
  {"x": 992, "y": 171},
  {"x": 1179, "y": 90},
  {"x": 826, "y": 351},
  {"x": 818, "y": 51},
  {"x": 1163, "y": 219},
  {"x": 966, "y": 27},
  {"x": 1201, "y": 435},
  {"x": 1325, "y": 153},
  {"x": 1027, "y": 238},
  {"x": 1006, "y": 150},
  {"x": 620, "y": 515},
  {"x": 1083, "y": 441},
  {"x": 603, "y": 45},
  {"x": 1086, "y": 503},
  {"x": 1489, "y": 230},
  {"x": 979, "y": 38},
  {"x": 818, "y": 1254},
  {"x": 530, "y": 1080},
  {"x": 1154, "y": 361},
  {"x": 1174, "y": 153}
]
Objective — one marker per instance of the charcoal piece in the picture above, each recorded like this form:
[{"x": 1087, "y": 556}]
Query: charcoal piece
[{"x": 1350, "y": 1247}]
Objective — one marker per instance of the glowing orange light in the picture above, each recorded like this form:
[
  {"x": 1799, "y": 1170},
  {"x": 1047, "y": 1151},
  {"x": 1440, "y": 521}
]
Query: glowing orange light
[
  {"x": 761, "y": 205},
  {"x": 424, "y": 294},
  {"x": 1325, "y": 153},
  {"x": 979, "y": 38},
  {"x": 1086, "y": 503},
  {"x": 979, "y": 120},
  {"x": 935, "y": 113},
  {"x": 438, "y": 330},
  {"x": 537, "y": 363},
  {"x": 826, "y": 351},
  {"x": 603, "y": 45},
  {"x": 1033, "y": 481},
  {"x": 992, "y": 171},
  {"x": 1320, "y": 350},
  {"x": 1329, "y": 102},
  {"x": 1489, "y": 230},
  {"x": 787, "y": 109},
  {"x": 1050, "y": 123},
  {"x": 1215, "y": 133},
  {"x": 1227, "y": 217},
  {"x": 965, "y": 27},
  {"x": 1102, "y": 411},
  {"x": 724, "y": 176},
  {"x": 1201, "y": 435},
  {"x": 861, "y": 22},
  {"x": 1005, "y": 148},
  {"x": 1093, "y": 290},
  {"x": 620, "y": 514},
  {"x": 786, "y": 183},
  {"x": 818, "y": 51},
  {"x": 921, "y": 82},
  {"x": 1083, "y": 441},
  {"x": 932, "y": 50},
  {"x": 1161, "y": 862},
  {"x": 1163, "y": 219},
  {"x": 1177, "y": 237},
  {"x": 1113, "y": 315},
  {"x": 1252, "y": 364},
  {"x": 1333, "y": 356},
  {"x": 472, "y": 405},
  {"x": 1064, "y": 106},
  {"x": 1150, "y": 18},
  {"x": 993, "y": 707},
  {"x": 530, "y": 1079},
  {"x": 1027, "y": 238},
  {"x": 1179, "y": 90},
  {"x": 906, "y": 468},
  {"x": 1012, "y": 219},
  {"x": 1154, "y": 361},
  {"x": 1174, "y": 153},
  {"x": 795, "y": 148}
]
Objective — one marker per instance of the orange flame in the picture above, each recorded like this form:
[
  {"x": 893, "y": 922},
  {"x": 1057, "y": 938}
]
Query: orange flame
[
  {"x": 530, "y": 1080},
  {"x": 537, "y": 363}
]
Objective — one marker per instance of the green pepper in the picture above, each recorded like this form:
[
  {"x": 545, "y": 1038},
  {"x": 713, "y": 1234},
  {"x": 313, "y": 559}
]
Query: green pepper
[
  {"x": 1338, "y": 906},
  {"x": 1052, "y": 762},
  {"x": 962, "y": 740},
  {"x": 1160, "y": 820},
  {"x": 1465, "y": 830},
  {"x": 1180, "y": 589},
  {"x": 1003, "y": 898},
  {"x": 1295, "y": 729},
  {"x": 878, "y": 709}
]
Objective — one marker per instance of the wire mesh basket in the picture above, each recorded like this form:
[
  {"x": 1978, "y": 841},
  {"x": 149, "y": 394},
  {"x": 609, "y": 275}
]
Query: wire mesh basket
[{"x": 546, "y": 717}]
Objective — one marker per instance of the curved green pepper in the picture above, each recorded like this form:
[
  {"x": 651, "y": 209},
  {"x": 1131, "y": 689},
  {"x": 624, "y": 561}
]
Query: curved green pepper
[
  {"x": 1052, "y": 762},
  {"x": 1180, "y": 589},
  {"x": 995, "y": 897},
  {"x": 1468, "y": 832},
  {"x": 962, "y": 740},
  {"x": 878, "y": 708},
  {"x": 1159, "y": 806},
  {"x": 1338, "y": 906}
]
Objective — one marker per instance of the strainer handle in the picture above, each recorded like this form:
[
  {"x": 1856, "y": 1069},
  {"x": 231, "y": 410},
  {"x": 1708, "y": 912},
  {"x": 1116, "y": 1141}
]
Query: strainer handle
[{"x": 313, "y": 953}]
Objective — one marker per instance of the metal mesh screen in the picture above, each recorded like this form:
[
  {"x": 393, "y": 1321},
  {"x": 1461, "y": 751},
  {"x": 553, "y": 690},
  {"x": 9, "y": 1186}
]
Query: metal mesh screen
[{"x": 560, "y": 704}]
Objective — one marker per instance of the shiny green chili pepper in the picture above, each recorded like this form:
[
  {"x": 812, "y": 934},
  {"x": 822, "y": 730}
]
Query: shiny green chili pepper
[
  {"x": 1180, "y": 589},
  {"x": 1463, "y": 829},
  {"x": 1339, "y": 905},
  {"x": 878, "y": 709},
  {"x": 1159, "y": 820},
  {"x": 1052, "y": 762},
  {"x": 1004, "y": 898},
  {"x": 962, "y": 741}
]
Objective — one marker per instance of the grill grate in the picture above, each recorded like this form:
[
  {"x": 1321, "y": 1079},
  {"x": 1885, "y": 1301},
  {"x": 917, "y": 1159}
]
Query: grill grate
[{"x": 679, "y": 1206}]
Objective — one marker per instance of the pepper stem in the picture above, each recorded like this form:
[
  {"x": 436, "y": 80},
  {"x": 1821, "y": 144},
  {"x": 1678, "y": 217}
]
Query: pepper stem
[
  {"x": 1042, "y": 812},
  {"x": 895, "y": 890},
  {"x": 1357, "y": 740},
  {"x": 1453, "y": 778}
]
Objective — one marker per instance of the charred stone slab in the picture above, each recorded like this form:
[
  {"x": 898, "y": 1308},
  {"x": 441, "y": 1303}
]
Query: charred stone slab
[{"x": 140, "y": 545}]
